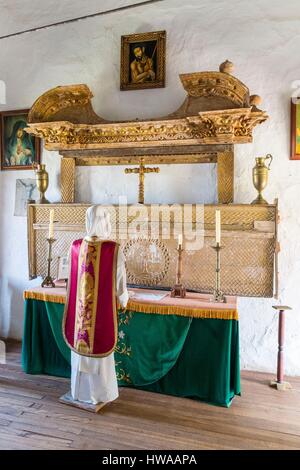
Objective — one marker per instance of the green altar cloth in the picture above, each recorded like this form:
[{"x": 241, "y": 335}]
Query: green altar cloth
[
  {"x": 44, "y": 350},
  {"x": 175, "y": 355}
]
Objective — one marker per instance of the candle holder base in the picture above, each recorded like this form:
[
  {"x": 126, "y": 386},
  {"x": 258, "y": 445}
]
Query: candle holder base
[
  {"x": 218, "y": 296},
  {"x": 178, "y": 291},
  {"x": 48, "y": 282},
  {"x": 43, "y": 200}
]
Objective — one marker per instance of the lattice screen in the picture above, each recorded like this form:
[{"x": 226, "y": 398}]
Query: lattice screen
[{"x": 247, "y": 256}]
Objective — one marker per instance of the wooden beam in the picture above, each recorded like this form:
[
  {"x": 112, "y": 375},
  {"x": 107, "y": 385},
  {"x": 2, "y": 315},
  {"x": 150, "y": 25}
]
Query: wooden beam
[{"x": 225, "y": 177}]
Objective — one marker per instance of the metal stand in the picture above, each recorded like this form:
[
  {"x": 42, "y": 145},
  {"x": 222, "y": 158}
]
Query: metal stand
[
  {"x": 218, "y": 294},
  {"x": 48, "y": 281},
  {"x": 179, "y": 290},
  {"x": 43, "y": 200},
  {"x": 280, "y": 384}
]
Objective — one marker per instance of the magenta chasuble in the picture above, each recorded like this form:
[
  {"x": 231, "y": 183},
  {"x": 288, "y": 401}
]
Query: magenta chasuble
[{"x": 90, "y": 318}]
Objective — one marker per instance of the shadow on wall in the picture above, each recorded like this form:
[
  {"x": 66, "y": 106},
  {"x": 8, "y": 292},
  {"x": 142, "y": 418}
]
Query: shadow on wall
[
  {"x": 83, "y": 179},
  {"x": 57, "y": 185},
  {"x": 12, "y": 295}
]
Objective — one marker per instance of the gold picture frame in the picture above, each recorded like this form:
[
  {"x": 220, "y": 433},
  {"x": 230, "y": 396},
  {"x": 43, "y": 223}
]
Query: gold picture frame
[{"x": 143, "y": 61}]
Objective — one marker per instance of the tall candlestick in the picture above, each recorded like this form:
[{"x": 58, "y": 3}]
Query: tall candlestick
[
  {"x": 48, "y": 281},
  {"x": 51, "y": 224},
  {"x": 179, "y": 241},
  {"x": 218, "y": 226},
  {"x": 218, "y": 294}
]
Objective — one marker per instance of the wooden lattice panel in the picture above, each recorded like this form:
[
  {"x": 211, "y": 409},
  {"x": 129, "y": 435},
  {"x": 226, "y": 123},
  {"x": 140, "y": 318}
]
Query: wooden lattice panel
[{"x": 247, "y": 255}]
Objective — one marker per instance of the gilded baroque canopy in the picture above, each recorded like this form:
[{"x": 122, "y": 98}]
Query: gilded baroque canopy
[{"x": 218, "y": 109}]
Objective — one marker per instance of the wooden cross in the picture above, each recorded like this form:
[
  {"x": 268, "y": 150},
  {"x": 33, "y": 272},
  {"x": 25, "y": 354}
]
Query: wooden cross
[{"x": 141, "y": 172}]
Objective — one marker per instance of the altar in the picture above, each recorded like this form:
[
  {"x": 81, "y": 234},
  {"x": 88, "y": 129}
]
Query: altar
[{"x": 183, "y": 347}]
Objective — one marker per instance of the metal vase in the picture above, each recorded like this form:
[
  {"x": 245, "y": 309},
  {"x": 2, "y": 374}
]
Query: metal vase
[
  {"x": 42, "y": 182},
  {"x": 260, "y": 175}
]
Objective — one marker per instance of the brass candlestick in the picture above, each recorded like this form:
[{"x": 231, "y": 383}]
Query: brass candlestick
[
  {"x": 48, "y": 281},
  {"x": 179, "y": 290},
  {"x": 218, "y": 294}
]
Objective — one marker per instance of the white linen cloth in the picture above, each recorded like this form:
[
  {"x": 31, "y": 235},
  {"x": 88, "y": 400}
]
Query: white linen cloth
[{"x": 94, "y": 380}]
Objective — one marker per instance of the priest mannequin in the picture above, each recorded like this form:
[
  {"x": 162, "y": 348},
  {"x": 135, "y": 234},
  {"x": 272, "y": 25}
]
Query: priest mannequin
[{"x": 97, "y": 281}]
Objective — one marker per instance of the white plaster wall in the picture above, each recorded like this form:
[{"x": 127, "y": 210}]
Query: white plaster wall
[{"x": 262, "y": 38}]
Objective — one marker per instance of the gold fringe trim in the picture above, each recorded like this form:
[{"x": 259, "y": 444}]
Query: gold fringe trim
[
  {"x": 59, "y": 299},
  {"x": 230, "y": 314}
]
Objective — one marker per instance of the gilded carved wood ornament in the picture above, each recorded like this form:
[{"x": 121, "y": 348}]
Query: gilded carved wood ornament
[{"x": 218, "y": 112}]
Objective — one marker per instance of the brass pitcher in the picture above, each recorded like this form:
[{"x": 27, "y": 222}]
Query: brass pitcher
[
  {"x": 42, "y": 181},
  {"x": 260, "y": 177}
]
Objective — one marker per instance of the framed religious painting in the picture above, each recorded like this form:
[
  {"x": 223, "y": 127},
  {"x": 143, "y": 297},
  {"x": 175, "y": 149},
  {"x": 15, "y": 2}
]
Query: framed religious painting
[
  {"x": 143, "y": 60},
  {"x": 295, "y": 129},
  {"x": 19, "y": 150}
]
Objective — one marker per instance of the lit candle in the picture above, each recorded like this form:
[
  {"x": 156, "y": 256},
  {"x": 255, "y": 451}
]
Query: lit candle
[
  {"x": 51, "y": 224},
  {"x": 180, "y": 241},
  {"x": 218, "y": 226}
]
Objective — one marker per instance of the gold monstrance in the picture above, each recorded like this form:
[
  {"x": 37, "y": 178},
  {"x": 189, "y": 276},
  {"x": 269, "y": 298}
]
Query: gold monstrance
[{"x": 141, "y": 172}]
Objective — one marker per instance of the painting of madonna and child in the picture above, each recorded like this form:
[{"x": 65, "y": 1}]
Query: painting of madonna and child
[{"x": 19, "y": 150}]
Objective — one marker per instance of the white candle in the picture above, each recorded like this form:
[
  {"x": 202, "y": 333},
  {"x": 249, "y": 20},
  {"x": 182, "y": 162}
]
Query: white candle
[
  {"x": 218, "y": 226},
  {"x": 180, "y": 240},
  {"x": 51, "y": 224}
]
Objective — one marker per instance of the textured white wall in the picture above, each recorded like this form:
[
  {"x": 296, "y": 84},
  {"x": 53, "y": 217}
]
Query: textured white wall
[{"x": 263, "y": 40}]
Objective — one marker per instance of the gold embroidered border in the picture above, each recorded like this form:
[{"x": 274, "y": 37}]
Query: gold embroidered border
[
  {"x": 230, "y": 314},
  {"x": 115, "y": 313},
  {"x": 90, "y": 252}
]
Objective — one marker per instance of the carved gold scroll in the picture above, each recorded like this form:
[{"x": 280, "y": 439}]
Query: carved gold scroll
[
  {"x": 210, "y": 127},
  {"x": 248, "y": 237}
]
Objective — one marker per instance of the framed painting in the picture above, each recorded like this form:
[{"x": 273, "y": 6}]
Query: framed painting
[
  {"x": 26, "y": 192},
  {"x": 295, "y": 129},
  {"x": 19, "y": 150},
  {"x": 143, "y": 60}
]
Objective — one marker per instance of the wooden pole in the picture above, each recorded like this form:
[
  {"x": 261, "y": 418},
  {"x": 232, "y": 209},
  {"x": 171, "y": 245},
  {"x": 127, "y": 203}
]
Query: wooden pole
[
  {"x": 280, "y": 384},
  {"x": 280, "y": 356}
]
